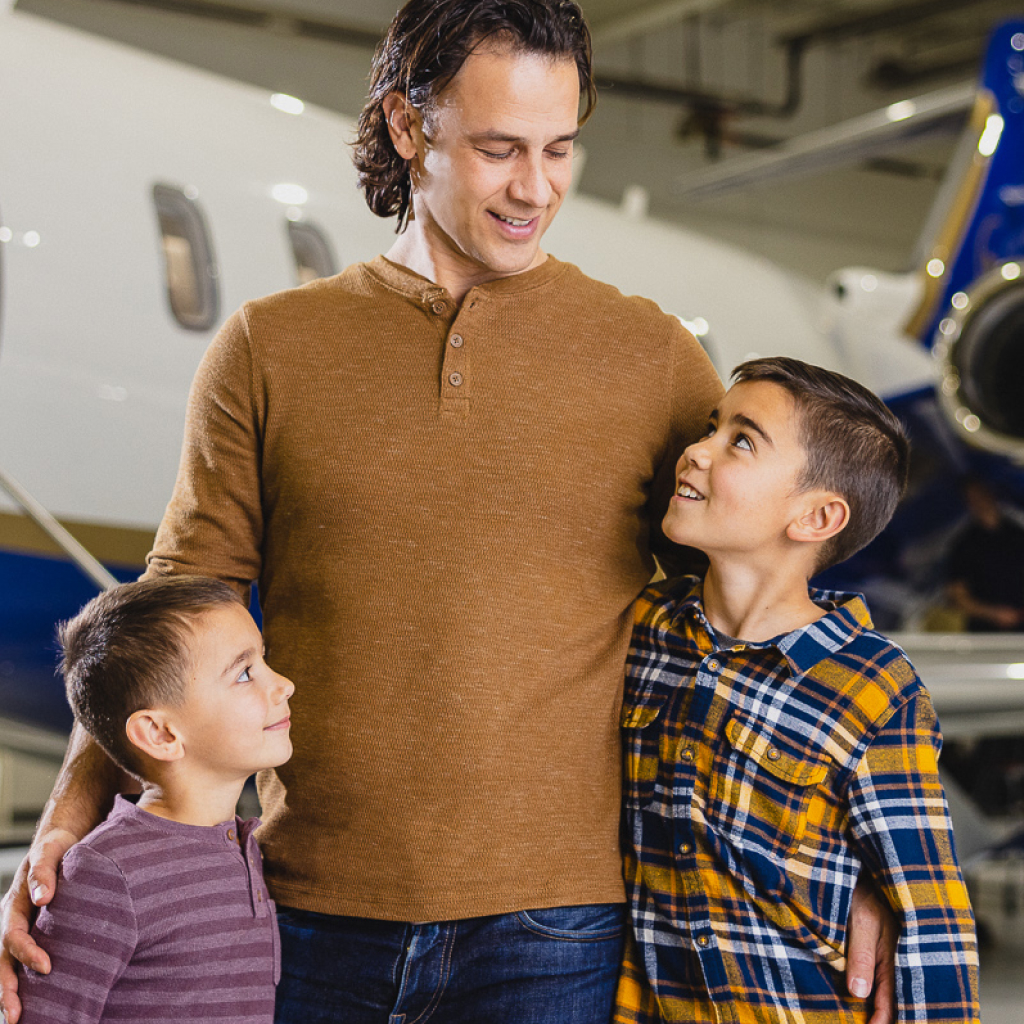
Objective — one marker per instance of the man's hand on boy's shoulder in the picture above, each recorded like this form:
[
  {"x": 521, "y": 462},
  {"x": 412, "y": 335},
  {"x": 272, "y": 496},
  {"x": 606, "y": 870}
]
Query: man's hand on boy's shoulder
[
  {"x": 872, "y": 935},
  {"x": 34, "y": 885}
]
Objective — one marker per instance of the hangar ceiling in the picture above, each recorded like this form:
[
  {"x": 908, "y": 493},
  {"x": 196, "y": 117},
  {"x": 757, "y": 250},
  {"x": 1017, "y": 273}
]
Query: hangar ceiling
[{"x": 686, "y": 85}]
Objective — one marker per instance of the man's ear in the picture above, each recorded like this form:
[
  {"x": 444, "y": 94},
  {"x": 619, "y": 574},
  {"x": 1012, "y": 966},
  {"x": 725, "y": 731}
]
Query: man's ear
[
  {"x": 405, "y": 125},
  {"x": 824, "y": 518},
  {"x": 153, "y": 732}
]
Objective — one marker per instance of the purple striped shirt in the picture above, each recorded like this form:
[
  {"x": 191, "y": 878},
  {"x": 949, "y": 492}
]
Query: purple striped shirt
[{"x": 156, "y": 922}]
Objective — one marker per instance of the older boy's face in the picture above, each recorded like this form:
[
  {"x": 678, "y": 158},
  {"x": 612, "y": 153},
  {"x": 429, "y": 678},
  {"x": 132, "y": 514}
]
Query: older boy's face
[
  {"x": 235, "y": 720},
  {"x": 736, "y": 488}
]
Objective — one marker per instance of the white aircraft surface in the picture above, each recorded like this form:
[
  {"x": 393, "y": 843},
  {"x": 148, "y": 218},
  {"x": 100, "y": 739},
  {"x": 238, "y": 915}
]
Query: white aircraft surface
[{"x": 141, "y": 201}]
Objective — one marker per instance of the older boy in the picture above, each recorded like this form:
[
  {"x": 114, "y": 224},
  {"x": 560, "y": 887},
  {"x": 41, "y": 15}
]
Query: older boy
[
  {"x": 162, "y": 913},
  {"x": 776, "y": 746}
]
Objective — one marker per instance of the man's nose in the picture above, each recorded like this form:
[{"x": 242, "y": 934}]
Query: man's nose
[{"x": 530, "y": 185}]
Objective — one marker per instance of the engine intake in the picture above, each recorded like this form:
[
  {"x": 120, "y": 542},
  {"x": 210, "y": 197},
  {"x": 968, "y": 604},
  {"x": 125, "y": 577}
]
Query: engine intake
[{"x": 981, "y": 346}]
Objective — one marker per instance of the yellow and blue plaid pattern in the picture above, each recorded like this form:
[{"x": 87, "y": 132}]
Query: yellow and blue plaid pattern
[{"x": 760, "y": 779}]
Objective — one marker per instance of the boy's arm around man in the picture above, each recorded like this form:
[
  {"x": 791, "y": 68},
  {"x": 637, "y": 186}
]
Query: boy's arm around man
[{"x": 902, "y": 831}]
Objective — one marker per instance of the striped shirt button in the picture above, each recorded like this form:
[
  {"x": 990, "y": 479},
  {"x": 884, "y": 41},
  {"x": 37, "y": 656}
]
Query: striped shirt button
[
  {"x": 685, "y": 848},
  {"x": 703, "y": 940},
  {"x": 688, "y": 754},
  {"x": 773, "y": 754},
  {"x": 714, "y": 665}
]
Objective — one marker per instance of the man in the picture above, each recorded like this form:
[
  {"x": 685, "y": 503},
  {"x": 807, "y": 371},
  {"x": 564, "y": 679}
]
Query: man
[{"x": 399, "y": 455}]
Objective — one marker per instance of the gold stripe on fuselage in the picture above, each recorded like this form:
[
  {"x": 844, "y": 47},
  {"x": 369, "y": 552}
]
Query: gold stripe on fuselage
[{"x": 122, "y": 545}]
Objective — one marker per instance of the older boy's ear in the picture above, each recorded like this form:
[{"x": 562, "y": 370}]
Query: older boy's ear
[
  {"x": 155, "y": 735},
  {"x": 823, "y": 520},
  {"x": 405, "y": 126}
]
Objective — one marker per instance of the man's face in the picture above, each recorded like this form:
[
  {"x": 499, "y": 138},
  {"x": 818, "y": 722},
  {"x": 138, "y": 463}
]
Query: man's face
[
  {"x": 496, "y": 164},
  {"x": 737, "y": 488}
]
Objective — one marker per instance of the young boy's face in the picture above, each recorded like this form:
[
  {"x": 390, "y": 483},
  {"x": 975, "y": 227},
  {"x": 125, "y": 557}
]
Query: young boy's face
[
  {"x": 235, "y": 720},
  {"x": 736, "y": 488}
]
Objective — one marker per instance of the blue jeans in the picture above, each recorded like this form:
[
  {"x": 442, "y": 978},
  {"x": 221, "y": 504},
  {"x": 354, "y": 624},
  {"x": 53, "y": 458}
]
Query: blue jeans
[{"x": 554, "y": 966}]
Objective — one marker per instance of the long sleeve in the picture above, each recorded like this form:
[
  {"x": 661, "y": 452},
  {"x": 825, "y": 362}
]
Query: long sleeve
[
  {"x": 90, "y": 933},
  {"x": 691, "y": 394},
  {"x": 214, "y": 522},
  {"x": 904, "y": 835}
]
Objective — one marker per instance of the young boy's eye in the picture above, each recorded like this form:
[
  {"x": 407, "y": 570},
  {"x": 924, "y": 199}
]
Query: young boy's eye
[
  {"x": 742, "y": 441},
  {"x": 246, "y": 675}
]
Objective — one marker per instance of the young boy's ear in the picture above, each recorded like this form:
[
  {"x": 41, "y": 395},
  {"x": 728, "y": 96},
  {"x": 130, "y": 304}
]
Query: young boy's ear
[
  {"x": 823, "y": 519},
  {"x": 153, "y": 732}
]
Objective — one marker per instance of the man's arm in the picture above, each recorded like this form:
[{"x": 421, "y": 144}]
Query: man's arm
[{"x": 81, "y": 798}]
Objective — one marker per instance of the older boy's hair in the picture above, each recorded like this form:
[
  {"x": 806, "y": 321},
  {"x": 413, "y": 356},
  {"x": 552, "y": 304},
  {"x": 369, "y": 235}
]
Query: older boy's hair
[
  {"x": 425, "y": 48},
  {"x": 128, "y": 650},
  {"x": 854, "y": 445}
]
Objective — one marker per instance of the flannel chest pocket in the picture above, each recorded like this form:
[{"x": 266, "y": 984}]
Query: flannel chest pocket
[
  {"x": 761, "y": 785},
  {"x": 640, "y": 740}
]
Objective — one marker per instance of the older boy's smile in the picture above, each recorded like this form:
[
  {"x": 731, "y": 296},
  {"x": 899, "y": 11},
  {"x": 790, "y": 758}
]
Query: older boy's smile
[{"x": 686, "y": 491}]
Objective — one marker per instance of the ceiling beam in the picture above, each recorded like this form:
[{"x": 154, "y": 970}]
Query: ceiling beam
[{"x": 649, "y": 19}]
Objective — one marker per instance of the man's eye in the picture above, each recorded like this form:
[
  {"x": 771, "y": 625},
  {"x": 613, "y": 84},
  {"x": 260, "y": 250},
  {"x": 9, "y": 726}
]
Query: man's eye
[
  {"x": 497, "y": 156},
  {"x": 559, "y": 154}
]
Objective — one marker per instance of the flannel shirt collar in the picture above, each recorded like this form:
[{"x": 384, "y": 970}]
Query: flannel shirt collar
[{"x": 847, "y": 617}]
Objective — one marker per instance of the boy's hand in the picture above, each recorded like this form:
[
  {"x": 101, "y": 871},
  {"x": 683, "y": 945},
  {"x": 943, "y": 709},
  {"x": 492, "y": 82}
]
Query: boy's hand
[
  {"x": 872, "y": 934},
  {"x": 34, "y": 883}
]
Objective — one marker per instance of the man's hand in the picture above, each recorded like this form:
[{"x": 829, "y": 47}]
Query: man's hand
[
  {"x": 34, "y": 883},
  {"x": 872, "y": 934}
]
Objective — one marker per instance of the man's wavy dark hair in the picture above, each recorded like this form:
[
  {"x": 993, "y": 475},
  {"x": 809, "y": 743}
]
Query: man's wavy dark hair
[{"x": 425, "y": 47}]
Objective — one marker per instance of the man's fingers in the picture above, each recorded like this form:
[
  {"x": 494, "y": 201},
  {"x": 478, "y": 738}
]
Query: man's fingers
[
  {"x": 10, "y": 1004},
  {"x": 23, "y": 947},
  {"x": 860, "y": 969},
  {"x": 44, "y": 860},
  {"x": 885, "y": 994}
]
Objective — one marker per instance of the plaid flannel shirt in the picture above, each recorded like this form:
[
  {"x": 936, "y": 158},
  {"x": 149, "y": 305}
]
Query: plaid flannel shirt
[{"x": 760, "y": 780}]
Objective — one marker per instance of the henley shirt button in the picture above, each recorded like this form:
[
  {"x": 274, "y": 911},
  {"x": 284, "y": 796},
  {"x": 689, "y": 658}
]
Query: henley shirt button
[
  {"x": 773, "y": 754},
  {"x": 455, "y": 379},
  {"x": 456, "y": 341},
  {"x": 438, "y": 307},
  {"x": 688, "y": 754}
]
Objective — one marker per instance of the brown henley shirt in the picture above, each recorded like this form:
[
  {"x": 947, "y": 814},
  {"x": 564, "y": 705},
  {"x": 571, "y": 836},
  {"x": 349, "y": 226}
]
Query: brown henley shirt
[{"x": 448, "y": 510}]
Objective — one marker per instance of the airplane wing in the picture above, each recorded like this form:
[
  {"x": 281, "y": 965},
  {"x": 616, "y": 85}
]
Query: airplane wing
[{"x": 943, "y": 111}]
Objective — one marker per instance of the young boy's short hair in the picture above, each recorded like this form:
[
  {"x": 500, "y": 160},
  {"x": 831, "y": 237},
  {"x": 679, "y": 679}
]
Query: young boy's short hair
[
  {"x": 855, "y": 446},
  {"x": 127, "y": 650}
]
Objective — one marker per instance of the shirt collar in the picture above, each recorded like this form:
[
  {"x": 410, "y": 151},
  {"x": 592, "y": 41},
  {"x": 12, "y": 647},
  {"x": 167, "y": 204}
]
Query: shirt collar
[
  {"x": 422, "y": 290},
  {"x": 846, "y": 618}
]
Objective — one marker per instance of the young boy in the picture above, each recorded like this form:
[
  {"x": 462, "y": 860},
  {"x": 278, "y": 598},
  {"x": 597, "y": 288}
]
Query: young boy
[
  {"x": 161, "y": 913},
  {"x": 776, "y": 746}
]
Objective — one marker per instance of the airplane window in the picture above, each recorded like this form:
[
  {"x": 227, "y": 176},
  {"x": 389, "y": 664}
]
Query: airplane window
[
  {"x": 313, "y": 256},
  {"x": 188, "y": 259}
]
